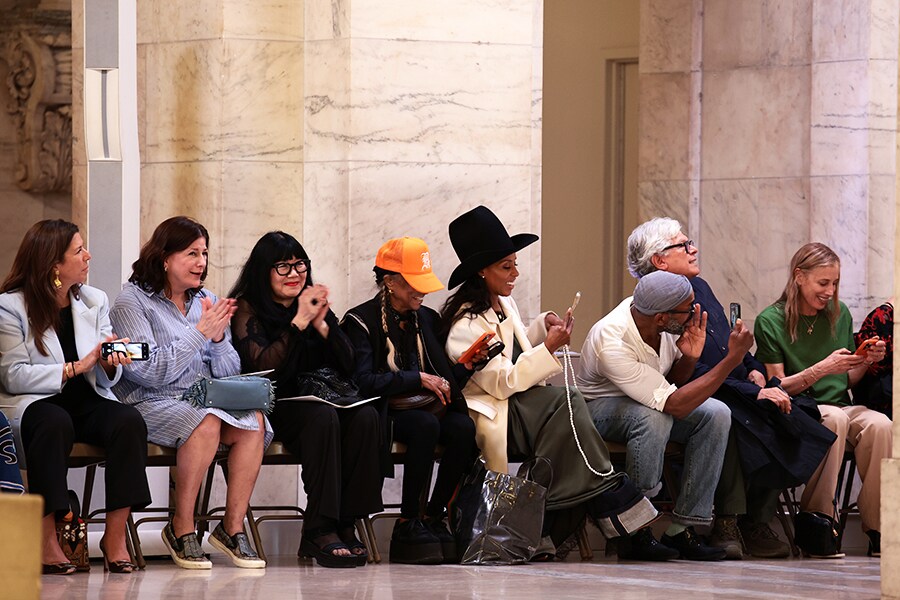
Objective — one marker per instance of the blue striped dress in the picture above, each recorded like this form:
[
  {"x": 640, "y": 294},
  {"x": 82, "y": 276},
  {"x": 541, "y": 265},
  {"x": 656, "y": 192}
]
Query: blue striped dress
[{"x": 179, "y": 355}]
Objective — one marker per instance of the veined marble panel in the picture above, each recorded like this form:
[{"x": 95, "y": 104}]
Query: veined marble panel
[
  {"x": 884, "y": 29},
  {"x": 671, "y": 199},
  {"x": 183, "y": 126},
  {"x": 420, "y": 200},
  {"x": 77, "y": 26},
  {"x": 225, "y": 106},
  {"x": 730, "y": 239},
  {"x": 325, "y": 232},
  {"x": 537, "y": 105},
  {"x": 841, "y": 30},
  {"x": 166, "y": 21},
  {"x": 839, "y": 218},
  {"x": 257, "y": 198},
  {"x": 262, "y": 96},
  {"x": 467, "y": 21},
  {"x": 881, "y": 234},
  {"x": 328, "y": 110},
  {"x": 441, "y": 102},
  {"x": 665, "y": 139},
  {"x": 755, "y": 123},
  {"x": 755, "y": 33},
  {"x": 668, "y": 35},
  {"x": 263, "y": 19},
  {"x": 327, "y": 19},
  {"x": 853, "y": 118},
  {"x": 784, "y": 208}
]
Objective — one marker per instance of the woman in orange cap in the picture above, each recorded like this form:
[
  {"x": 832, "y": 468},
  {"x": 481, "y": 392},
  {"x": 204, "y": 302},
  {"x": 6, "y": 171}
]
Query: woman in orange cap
[{"x": 399, "y": 352}]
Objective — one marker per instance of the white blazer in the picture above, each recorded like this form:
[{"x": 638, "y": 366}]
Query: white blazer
[
  {"x": 488, "y": 389},
  {"x": 27, "y": 375}
]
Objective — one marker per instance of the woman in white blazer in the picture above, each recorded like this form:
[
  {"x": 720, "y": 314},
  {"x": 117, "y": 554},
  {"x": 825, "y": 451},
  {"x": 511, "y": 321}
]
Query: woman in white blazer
[
  {"x": 515, "y": 415},
  {"x": 55, "y": 386}
]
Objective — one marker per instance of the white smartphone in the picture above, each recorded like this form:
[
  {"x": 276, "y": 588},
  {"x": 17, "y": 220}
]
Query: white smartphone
[{"x": 575, "y": 302}]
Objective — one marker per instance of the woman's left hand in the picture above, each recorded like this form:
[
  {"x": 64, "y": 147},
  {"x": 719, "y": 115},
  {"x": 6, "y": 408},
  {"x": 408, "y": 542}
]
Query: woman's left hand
[
  {"x": 876, "y": 353},
  {"x": 438, "y": 385},
  {"x": 115, "y": 358}
]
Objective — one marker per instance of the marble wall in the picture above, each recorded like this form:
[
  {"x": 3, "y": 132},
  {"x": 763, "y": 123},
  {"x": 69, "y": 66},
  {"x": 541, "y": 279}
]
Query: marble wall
[
  {"x": 415, "y": 113},
  {"x": 766, "y": 125}
]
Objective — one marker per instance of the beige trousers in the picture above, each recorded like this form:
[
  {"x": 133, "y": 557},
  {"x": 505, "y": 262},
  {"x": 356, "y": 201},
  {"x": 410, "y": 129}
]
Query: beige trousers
[{"x": 868, "y": 433}]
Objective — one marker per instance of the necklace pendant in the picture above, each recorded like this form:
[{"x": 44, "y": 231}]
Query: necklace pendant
[{"x": 809, "y": 330}]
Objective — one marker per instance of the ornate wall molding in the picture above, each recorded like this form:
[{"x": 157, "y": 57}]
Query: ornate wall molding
[{"x": 39, "y": 84}]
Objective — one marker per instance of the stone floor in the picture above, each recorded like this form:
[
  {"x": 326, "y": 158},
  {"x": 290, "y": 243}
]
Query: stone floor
[{"x": 855, "y": 577}]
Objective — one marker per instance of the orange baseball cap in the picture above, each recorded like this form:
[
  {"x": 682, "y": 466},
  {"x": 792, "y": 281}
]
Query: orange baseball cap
[{"x": 410, "y": 257}]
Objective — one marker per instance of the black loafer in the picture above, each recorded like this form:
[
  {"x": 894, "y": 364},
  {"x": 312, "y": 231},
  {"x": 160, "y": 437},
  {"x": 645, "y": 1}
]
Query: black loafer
[
  {"x": 643, "y": 546},
  {"x": 412, "y": 543},
  {"x": 691, "y": 547}
]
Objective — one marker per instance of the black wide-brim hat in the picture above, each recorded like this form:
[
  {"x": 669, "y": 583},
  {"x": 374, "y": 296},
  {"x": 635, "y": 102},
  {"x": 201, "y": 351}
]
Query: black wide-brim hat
[{"x": 480, "y": 240}]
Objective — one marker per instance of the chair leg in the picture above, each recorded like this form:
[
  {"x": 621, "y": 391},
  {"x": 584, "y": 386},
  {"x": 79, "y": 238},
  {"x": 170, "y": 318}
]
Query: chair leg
[
  {"x": 374, "y": 554},
  {"x": 363, "y": 536},
  {"x": 786, "y": 501},
  {"x": 584, "y": 544},
  {"x": 254, "y": 533},
  {"x": 90, "y": 473},
  {"x": 135, "y": 543}
]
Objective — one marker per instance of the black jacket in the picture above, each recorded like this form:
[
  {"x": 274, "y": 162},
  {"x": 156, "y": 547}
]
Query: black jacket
[
  {"x": 777, "y": 450},
  {"x": 363, "y": 326}
]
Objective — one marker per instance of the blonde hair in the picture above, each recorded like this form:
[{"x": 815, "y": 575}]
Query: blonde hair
[{"x": 808, "y": 257}]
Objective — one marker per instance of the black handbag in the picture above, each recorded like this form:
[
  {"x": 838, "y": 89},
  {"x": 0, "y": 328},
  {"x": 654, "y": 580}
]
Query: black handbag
[
  {"x": 817, "y": 535},
  {"x": 328, "y": 384},
  {"x": 422, "y": 400},
  {"x": 498, "y": 517}
]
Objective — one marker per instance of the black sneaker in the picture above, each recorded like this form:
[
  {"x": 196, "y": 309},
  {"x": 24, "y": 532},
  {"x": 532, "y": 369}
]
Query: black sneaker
[
  {"x": 691, "y": 547},
  {"x": 413, "y": 543},
  {"x": 237, "y": 547},
  {"x": 643, "y": 546},
  {"x": 438, "y": 527}
]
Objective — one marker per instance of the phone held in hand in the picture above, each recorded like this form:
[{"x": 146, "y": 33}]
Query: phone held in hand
[
  {"x": 735, "y": 313},
  {"x": 476, "y": 346},
  {"x": 133, "y": 350},
  {"x": 575, "y": 301},
  {"x": 866, "y": 345}
]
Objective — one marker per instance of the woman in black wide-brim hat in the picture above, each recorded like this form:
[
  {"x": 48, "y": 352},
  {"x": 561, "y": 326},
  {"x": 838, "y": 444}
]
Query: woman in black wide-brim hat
[{"x": 515, "y": 415}]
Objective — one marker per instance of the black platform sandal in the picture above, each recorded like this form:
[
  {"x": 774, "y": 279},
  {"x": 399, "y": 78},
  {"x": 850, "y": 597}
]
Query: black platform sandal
[
  {"x": 324, "y": 555},
  {"x": 358, "y": 550}
]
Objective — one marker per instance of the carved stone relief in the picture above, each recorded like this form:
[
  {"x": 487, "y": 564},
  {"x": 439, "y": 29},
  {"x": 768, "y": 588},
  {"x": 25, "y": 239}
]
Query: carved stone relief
[{"x": 39, "y": 84}]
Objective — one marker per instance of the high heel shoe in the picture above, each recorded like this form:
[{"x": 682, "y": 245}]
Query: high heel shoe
[
  {"x": 115, "y": 566},
  {"x": 63, "y": 568}
]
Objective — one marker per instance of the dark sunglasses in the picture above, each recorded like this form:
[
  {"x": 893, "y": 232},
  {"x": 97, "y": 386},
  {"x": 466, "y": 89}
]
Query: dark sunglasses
[
  {"x": 686, "y": 244},
  {"x": 284, "y": 268}
]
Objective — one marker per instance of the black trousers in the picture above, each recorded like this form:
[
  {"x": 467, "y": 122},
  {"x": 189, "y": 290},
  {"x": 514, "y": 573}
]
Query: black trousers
[
  {"x": 51, "y": 426},
  {"x": 421, "y": 431},
  {"x": 339, "y": 452}
]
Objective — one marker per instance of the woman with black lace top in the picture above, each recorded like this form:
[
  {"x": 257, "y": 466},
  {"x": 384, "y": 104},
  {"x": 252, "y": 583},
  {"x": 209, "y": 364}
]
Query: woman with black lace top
[{"x": 284, "y": 322}]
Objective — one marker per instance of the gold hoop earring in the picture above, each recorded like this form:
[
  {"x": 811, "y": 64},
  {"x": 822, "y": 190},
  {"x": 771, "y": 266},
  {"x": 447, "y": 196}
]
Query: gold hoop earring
[
  {"x": 56, "y": 282},
  {"x": 390, "y": 291}
]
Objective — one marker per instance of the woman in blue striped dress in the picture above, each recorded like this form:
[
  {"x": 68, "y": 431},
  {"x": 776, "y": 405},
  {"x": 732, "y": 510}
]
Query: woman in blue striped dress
[{"x": 187, "y": 328}]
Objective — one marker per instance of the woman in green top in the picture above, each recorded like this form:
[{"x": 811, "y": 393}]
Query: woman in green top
[{"x": 806, "y": 340}]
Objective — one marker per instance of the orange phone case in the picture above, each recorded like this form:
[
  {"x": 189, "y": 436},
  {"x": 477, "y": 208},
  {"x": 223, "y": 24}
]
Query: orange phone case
[
  {"x": 864, "y": 347},
  {"x": 480, "y": 343}
]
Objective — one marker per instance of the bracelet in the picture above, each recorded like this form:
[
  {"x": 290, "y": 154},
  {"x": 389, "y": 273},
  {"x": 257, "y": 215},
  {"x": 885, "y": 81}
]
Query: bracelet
[
  {"x": 66, "y": 371},
  {"x": 73, "y": 368}
]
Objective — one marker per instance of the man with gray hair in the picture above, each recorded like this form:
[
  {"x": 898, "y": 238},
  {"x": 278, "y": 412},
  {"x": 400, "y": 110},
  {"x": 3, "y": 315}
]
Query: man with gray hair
[
  {"x": 635, "y": 370},
  {"x": 761, "y": 458}
]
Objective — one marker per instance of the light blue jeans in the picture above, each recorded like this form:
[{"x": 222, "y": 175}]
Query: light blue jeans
[{"x": 645, "y": 432}]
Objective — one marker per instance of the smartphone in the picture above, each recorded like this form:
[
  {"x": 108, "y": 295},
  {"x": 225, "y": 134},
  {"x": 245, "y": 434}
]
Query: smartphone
[
  {"x": 133, "y": 350},
  {"x": 575, "y": 301},
  {"x": 492, "y": 351},
  {"x": 480, "y": 343},
  {"x": 735, "y": 313},
  {"x": 864, "y": 347}
]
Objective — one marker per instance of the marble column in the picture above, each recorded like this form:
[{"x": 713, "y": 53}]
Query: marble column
[
  {"x": 766, "y": 125},
  {"x": 417, "y": 112},
  {"x": 221, "y": 119}
]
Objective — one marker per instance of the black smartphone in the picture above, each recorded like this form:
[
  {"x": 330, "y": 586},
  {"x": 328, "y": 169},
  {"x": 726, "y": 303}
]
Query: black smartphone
[
  {"x": 134, "y": 350},
  {"x": 492, "y": 351},
  {"x": 735, "y": 313}
]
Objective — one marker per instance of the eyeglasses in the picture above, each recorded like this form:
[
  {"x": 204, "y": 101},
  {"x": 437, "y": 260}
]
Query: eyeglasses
[
  {"x": 686, "y": 244},
  {"x": 689, "y": 314},
  {"x": 284, "y": 268}
]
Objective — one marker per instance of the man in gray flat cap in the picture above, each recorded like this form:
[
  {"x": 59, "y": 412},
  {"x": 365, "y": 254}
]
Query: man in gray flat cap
[{"x": 635, "y": 370}]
